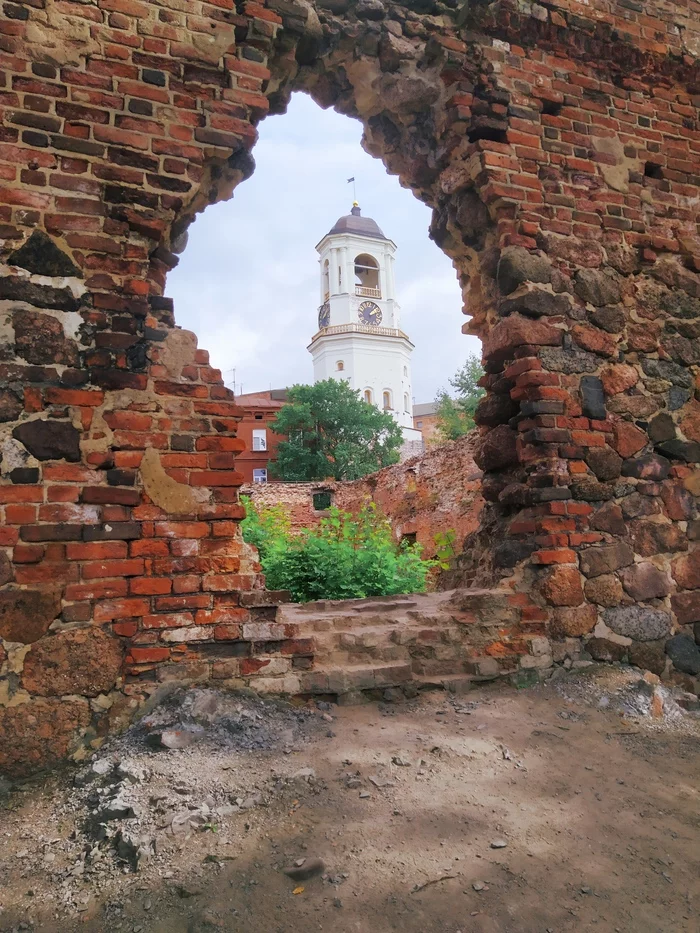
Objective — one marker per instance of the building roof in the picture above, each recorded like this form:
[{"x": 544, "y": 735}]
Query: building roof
[
  {"x": 358, "y": 225},
  {"x": 425, "y": 408},
  {"x": 271, "y": 398}
]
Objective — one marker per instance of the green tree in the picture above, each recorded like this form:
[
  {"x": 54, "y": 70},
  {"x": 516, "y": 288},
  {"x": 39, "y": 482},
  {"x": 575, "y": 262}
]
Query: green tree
[
  {"x": 332, "y": 432},
  {"x": 455, "y": 416}
]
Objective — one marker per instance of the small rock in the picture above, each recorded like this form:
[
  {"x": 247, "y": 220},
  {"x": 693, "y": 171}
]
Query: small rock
[
  {"x": 305, "y": 868},
  {"x": 175, "y": 738},
  {"x": 499, "y": 844},
  {"x": 364, "y": 794},
  {"x": 186, "y": 890},
  {"x": 480, "y": 886},
  {"x": 304, "y": 774},
  {"x": 401, "y": 762}
]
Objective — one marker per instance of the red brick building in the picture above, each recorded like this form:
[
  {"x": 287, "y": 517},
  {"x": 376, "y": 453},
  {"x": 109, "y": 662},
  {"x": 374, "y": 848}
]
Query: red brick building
[{"x": 261, "y": 443}]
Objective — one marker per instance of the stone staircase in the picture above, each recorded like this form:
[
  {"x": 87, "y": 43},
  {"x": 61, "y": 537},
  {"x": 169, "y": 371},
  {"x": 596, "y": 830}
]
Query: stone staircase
[{"x": 447, "y": 639}]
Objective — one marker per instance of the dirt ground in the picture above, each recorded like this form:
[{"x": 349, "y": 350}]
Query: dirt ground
[{"x": 563, "y": 807}]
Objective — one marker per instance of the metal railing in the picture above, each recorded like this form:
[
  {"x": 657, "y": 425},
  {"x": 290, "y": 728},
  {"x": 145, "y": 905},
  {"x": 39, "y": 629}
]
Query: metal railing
[{"x": 364, "y": 292}]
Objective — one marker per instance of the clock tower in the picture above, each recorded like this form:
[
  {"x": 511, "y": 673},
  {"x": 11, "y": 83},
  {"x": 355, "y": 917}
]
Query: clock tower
[{"x": 359, "y": 338}]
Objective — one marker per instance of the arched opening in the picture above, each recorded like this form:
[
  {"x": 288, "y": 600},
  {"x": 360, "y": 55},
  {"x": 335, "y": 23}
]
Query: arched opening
[
  {"x": 367, "y": 395},
  {"x": 386, "y": 400},
  {"x": 326, "y": 280},
  {"x": 405, "y": 402},
  {"x": 367, "y": 283},
  {"x": 340, "y": 366}
]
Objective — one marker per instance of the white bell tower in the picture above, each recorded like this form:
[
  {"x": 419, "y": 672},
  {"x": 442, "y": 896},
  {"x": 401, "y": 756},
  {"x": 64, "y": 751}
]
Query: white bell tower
[{"x": 359, "y": 338}]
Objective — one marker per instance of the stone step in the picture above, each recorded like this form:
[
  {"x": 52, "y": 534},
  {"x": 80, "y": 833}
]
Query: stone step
[
  {"x": 352, "y": 678},
  {"x": 357, "y": 624}
]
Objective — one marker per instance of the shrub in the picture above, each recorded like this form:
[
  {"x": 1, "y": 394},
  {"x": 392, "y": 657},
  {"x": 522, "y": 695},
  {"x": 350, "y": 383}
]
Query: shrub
[{"x": 344, "y": 557}]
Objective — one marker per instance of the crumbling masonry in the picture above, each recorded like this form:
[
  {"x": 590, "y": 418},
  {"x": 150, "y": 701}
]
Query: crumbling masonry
[{"x": 559, "y": 147}]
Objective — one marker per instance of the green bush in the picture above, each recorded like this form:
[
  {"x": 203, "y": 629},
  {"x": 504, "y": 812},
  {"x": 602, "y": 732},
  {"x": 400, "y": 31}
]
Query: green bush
[{"x": 342, "y": 558}]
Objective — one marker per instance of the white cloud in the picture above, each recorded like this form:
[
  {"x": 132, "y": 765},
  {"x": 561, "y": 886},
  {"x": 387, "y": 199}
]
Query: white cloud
[{"x": 247, "y": 284}]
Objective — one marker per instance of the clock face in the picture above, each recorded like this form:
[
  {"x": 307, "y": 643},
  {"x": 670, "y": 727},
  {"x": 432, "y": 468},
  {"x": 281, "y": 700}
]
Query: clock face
[
  {"x": 324, "y": 315},
  {"x": 369, "y": 313}
]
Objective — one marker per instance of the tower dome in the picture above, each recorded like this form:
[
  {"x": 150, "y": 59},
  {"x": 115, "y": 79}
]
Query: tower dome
[{"x": 356, "y": 224}]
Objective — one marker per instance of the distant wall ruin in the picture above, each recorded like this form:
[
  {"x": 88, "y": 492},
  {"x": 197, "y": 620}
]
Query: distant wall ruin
[
  {"x": 558, "y": 147},
  {"x": 438, "y": 491}
]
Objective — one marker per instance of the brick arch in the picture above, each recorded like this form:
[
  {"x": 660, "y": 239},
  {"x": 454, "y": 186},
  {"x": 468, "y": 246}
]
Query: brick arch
[{"x": 557, "y": 152}]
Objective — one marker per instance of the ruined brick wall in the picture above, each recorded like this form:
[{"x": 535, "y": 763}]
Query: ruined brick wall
[
  {"x": 558, "y": 147},
  {"x": 437, "y": 492}
]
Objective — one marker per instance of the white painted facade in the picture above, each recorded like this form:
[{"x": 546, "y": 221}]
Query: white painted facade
[{"x": 359, "y": 338}]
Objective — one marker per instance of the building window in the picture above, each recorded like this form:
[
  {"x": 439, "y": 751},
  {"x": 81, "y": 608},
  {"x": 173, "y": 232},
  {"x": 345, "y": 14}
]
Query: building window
[
  {"x": 259, "y": 439},
  {"x": 340, "y": 366},
  {"x": 367, "y": 276},
  {"x": 368, "y": 396},
  {"x": 386, "y": 400},
  {"x": 259, "y": 476},
  {"x": 258, "y": 417},
  {"x": 409, "y": 539},
  {"x": 322, "y": 501},
  {"x": 405, "y": 370},
  {"x": 419, "y": 424},
  {"x": 326, "y": 281},
  {"x": 405, "y": 401}
]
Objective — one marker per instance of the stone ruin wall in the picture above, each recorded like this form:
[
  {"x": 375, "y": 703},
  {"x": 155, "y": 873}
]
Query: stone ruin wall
[
  {"x": 439, "y": 490},
  {"x": 558, "y": 146}
]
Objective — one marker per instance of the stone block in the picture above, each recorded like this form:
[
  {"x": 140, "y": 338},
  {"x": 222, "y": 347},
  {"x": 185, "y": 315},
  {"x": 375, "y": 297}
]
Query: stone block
[
  {"x": 49, "y": 440},
  {"x": 645, "y": 581},
  {"x": 25, "y": 615},
  {"x": 640, "y": 623},
  {"x": 596, "y": 561},
  {"x": 84, "y": 662}
]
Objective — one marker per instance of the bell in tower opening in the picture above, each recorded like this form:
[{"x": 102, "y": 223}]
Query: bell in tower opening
[{"x": 359, "y": 338}]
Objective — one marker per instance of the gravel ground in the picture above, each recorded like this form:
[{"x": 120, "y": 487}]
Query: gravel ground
[{"x": 571, "y": 806}]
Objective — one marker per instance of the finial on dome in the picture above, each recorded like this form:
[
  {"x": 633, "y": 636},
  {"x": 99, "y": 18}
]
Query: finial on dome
[{"x": 355, "y": 209}]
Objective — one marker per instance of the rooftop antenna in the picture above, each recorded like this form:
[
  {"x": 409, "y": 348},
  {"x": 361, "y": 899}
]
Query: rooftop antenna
[{"x": 233, "y": 380}]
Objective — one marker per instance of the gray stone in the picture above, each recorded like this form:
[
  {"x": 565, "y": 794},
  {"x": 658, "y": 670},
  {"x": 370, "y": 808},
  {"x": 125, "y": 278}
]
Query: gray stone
[
  {"x": 638, "y": 622},
  {"x": 535, "y": 303},
  {"x": 671, "y": 372},
  {"x": 649, "y": 655},
  {"x": 662, "y": 428},
  {"x": 50, "y": 440},
  {"x": 684, "y": 653},
  {"x": 611, "y": 319},
  {"x": 677, "y": 398},
  {"x": 681, "y": 450},
  {"x": 597, "y": 287},
  {"x": 14, "y": 288},
  {"x": 517, "y": 265},
  {"x": 117, "y": 808},
  {"x": 41, "y": 256},
  {"x": 305, "y": 868},
  {"x": 568, "y": 361},
  {"x": 370, "y": 9},
  {"x": 593, "y": 398}
]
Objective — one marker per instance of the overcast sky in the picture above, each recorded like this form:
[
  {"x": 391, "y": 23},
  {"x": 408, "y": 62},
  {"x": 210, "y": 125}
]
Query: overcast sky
[{"x": 247, "y": 284}]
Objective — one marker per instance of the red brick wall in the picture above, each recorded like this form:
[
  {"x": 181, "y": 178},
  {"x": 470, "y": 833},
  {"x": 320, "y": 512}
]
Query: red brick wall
[{"x": 558, "y": 147}]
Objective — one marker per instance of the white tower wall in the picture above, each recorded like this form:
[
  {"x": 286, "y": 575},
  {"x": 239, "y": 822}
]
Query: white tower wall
[{"x": 372, "y": 355}]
